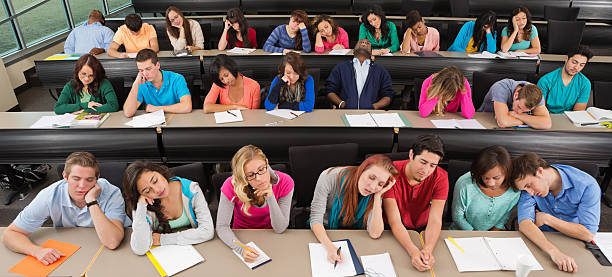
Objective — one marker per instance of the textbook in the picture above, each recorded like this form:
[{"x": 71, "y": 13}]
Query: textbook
[
  {"x": 375, "y": 120},
  {"x": 172, "y": 259},
  {"x": 592, "y": 116},
  {"x": 320, "y": 266},
  {"x": 489, "y": 254},
  {"x": 263, "y": 258},
  {"x": 92, "y": 120}
]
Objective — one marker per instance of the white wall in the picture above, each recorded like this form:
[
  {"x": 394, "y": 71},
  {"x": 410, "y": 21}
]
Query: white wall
[
  {"x": 15, "y": 70},
  {"x": 7, "y": 94}
]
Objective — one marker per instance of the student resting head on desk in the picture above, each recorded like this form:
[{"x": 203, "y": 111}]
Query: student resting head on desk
[
  {"x": 236, "y": 31},
  {"x": 158, "y": 89},
  {"x": 293, "y": 88},
  {"x": 555, "y": 198},
  {"x": 81, "y": 199},
  {"x": 88, "y": 91},
  {"x": 416, "y": 201},
  {"x": 328, "y": 35},
  {"x": 446, "y": 91},
  {"x": 517, "y": 103},
  {"x": 257, "y": 197},
  {"x": 483, "y": 197},
  {"x": 419, "y": 37},
  {"x": 183, "y": 33},
  {"x": 233, "y": 90},
  {"x": 160, "y": 204},
  {"x": 477, "y": 36},
  {"x": 346, "y": 84},
  {"x": 350, "y": 197},
  {"x": 382, "y": 34},
  {"x": 520, "y": 35},
  {"x": 134, "y": 36},
  {"x": 292, "y": 36}
]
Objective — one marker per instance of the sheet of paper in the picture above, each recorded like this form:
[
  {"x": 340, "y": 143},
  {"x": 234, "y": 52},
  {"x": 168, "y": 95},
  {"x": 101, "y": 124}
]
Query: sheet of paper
[
  {"x": 508, "y": 250},
  {"x": 228, "y": 116},
  {"x": 388, "y": 54},
  {"x": 604, "y": 241},
  {"x": 148, "y": 120},
  {"x": 285, "y": 113},
  {"x": 262, "y": 259},
  {"x": 30, "y": 266},
  {"x": 469, "y": 124},
  {"x": 321, "y": 267},
  {"x": 475, "y": 256},
  {"x": 132, "y": 55},
  {"x": 378, "y": 265},
  {"x": 54, "y": 121},
  {"x": 600, "y": 114},
  {"x": 360, "y": 120},
  {"x": 445, "y": 123},
  {"x": 176, "y": 258},
  {"x": 388, "y": 120},
  {"x": 580, "y": 117},
  {"x": 242, "y": 51},
  {"x": 339, "y": 51},
  {"x": 484, "y": 55}
]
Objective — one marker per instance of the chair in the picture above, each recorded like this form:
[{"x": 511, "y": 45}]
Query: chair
[
  {"x": 560, "y": 13},
  {"x": 194, "y": 172},
  {"x": 602, "y": 95},
  {"x": 111, "y": 171},
  {"x": 456, "y": 169},
  {"x": 482, "y": 81},
  {"x": 119, "y": 89},
  {"x": 416, "y": 92},
  {"x": 395, "y": 156},
  {"x": 563, "y": 36},
  {"x": 460, "y": 8},
  {"x": 424, "y": 7}
]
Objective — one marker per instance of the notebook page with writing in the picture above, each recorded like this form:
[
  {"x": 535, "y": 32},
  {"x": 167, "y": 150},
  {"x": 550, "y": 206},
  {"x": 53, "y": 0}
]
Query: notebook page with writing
[
  {"x": 604, "y": 242},
  {"x": 261, "y": 260},
  {"x": 600, "y": 114},
  {"x": 388, "y": 120},
  {"x": 378, "y": 265},
  {"x": 285, "y": 113},
  {"x": 476, "y": 255},
  {"x": 176, "y": 258},
  {"x": 580, "y": 117},
  {"x": 508, "y": 250},
  {"x": 360, "y": 120},
  {"x": 321, "y": 267}
]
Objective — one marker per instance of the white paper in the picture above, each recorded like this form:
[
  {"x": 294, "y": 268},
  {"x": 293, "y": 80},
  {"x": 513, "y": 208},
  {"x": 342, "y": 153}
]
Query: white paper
[
  {"x": 476, "y": 255},
  {"x": 339, "y": 51},
  {"x": 604, "y": 241},
  {"x": 457, "y": 124},
  {"x": 388, "y": 54},
  {"x": 242, "y": 51},
  {"x": 445, "y": 123},
  {"x": 388, "y": 120},
  {"x": 580, "y": 117},
  {"x": 285, "y": 113},
  {"x": 176, "y": 258},
  {"x": 132, "y": 55},
  {"x": 260, "y": 260},
  {"x": 508, "y": 250},
  {"x": 600, "y": 114},
  {"x": 228, "y": 116},
  {"x": 484, "y": 55},
  {"x": 469, "y": 124},
  {"x": 148, "y": 120},
  {"x": 321, "y": 267},
  {"x": 378, "y": 265},
  {"x": 54, "y": 121},
  {"x": 360, "y": 120}
]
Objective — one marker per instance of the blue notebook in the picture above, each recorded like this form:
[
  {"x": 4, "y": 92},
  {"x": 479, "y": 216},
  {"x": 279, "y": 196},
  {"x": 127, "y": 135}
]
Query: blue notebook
[{"x": 356, "y": 261}]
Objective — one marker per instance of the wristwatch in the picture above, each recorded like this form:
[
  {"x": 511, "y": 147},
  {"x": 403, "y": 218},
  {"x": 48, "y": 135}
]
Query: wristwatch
[{"x": 89, "y": 204}]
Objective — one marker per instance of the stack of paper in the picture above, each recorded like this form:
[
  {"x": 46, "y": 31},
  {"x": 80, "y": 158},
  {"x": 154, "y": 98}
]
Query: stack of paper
[
  {"x": 378, "y": 265},
  {"x": 148, "y": 120},
  {"x": 484, "y": 55},
  {"x": 261, "y": 260},
  {"x": 321, "y": 267},
  {"x": 54, "y": 121},
  {"x": 92, "y": 120},
  {"x": 604, "y": 242},
  {"x": 132, "y": 55},
  {"x": 285, "y": 113},
  {"x": 339, "y": 51},
  {"x": 457, "y": 124},
  {"x": 228, "y": 116},
  {"x": 241, "y": 51},
  {"x": 592, "y": 116},
  {"x": 172, "y": 259}
]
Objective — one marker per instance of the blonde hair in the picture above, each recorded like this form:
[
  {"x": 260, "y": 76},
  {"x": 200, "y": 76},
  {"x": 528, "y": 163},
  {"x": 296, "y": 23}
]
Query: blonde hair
[
  {"x": 445, "y": 85},
  {"x": 244, "y": 192}
]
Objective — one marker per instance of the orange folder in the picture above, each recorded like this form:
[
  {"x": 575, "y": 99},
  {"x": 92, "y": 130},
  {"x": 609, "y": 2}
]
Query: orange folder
[{"x": 30, "y": 266}]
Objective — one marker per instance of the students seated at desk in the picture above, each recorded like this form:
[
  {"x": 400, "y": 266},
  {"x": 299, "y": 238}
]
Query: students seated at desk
[
  {"x": 134, "y": 36},
  {"x": 566, "y": 88},
  {"x": 419, "y": 37},
  {"x": 293, "y": 88},
  {"x": 483, "y": 198},
  {"x": 234, "y": 90},
  {"x": 477, "y": 36},
  {"x": 328, "y": 35},
  {"x": 88, "y": 91},
  {"x": 183, "y": 33},
  {"x": 293, "y": 36},
  {"x": 520, "y": 35},
  {"x": 92, "y": 37},
  {"x": 81, "y": 199},
  {"x": 351, "y": 198},
  {"x": 416, "y": 201},
  {"x": 381, "y": 33},
  {"x": 446, "y": 91},
  {"x": 555, "y": 198},
  {"x": 160, "y": 204},
  {"x": 346, "y": 84},
  {"x": 257, "y": 197},
  {"x": 235, "y": 26},
  {"x": 516, "y": 103},
  {"x": 158, "y": 89}
]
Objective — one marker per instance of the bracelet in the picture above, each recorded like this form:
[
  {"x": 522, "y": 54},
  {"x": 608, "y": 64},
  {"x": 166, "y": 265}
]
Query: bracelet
[
  {"x": 89, "y": 204},
  {"x": 339, "y": 105}
]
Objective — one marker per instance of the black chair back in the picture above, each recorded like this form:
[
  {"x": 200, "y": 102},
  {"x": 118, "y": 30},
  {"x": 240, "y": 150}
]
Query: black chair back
[
  {"x": 416, "y": 93},
  {"x": 483, "y": 82},
  {"x": 424, "y": 7},
  {"x": 602, "y": 95},
  {"x": 456, "y": 168},
  {"x": 561, "y": 13},
  {"x": 111, "y": 171},
  {"x": 559, "y": 42},
  {"x": 460, "y": 8}
]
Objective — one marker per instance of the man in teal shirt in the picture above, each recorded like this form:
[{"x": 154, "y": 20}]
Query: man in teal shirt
[{"x": 566, "y": 89}]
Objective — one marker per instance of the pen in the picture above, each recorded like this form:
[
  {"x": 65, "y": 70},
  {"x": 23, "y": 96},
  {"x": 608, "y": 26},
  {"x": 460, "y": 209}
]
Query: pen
[
  {"x": 455, "y": 243},
  {"x": 587, "y": 124},
  {"x": 239, "y": 244},
  {"x": 292, "y": 113},
  {"x": 337, "y": 253},
  {"x": 231, "y": 113}
]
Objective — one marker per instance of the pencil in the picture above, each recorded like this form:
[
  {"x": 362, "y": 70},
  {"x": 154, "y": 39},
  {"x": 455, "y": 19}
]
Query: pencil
[
  {"x": 170, "y": 118},
  {"x": 244, "y": 247},
  {"x": 455, "y": 243},
  {"x": 433, "y": 274},
  {"x": 92, "y": 261}
]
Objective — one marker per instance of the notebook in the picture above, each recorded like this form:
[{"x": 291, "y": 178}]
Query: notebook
[
  {"x": 92, "y": 120},
  {"x": 285, "y": 113},
  {"x": 488, "y": 254},
  {"x": 375, "y": 120},
  {"x": 457, "y": 124},
  {"x": 378, "y": 265},
  {"x": 604, "y": 242},
  {"x": 156, "y": 118},
  {"x": 263, "y": 258},
  {"x": 228, "y": 116},
  {"x": 54, "y": 121},
  {"x": 172, "y": 259},
  {"x": 592, "y": 116},
  {"x": 320, "y": 266},
  {"x": 30, "y": 266}
]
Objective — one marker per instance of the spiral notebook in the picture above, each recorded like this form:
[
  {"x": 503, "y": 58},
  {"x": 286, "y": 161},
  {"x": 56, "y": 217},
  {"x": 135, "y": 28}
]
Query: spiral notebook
[{"x": 261, "y": 260}]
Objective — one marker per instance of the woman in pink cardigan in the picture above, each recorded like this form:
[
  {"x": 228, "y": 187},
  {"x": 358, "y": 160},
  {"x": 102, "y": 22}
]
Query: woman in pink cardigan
[
  {"x": 328, "y": 34},
  {"x": 419, "y": 37},
  {"x": 446, "y": 91}
]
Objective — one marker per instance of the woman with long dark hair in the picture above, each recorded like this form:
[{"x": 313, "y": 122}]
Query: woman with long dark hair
[
  {"x": 88, "y": 91},
  {"x": 293, "y": 88},
  {"x": 477, "y": 36},
  {"x": 183, "y": 33},
  {"x": 161, "y": 203},
  {"x": 233, "y": 32},
  {"x": 381, "y": 33},
  {"x": 292, "y": 36},
  {"x": 328, "y": 35},
  {"x": 520, "y": 35},
  {"x": 234, "y": 90}
]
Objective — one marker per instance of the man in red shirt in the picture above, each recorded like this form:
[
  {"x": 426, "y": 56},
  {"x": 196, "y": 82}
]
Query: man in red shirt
[{"x": 417, "y": 199}]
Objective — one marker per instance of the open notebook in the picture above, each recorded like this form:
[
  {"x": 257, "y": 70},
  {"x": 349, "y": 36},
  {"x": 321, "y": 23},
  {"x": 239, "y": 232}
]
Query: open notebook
[
  {"x": 489, "y": 254},
  {"x": 321, "y": 267},
  {"x": 375, "y": 120},
  {"x": 457, "y": 124},
  {"x": 591, "y": 116},
  {"x": 172, "y": 259},
  {"x": 261, "y": 260}
]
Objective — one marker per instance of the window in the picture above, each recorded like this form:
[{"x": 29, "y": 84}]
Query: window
[
  {"x": 114, "y": 4},
  {"x": 43, "y": 21},
  {"x": 81, "y": 8},
  {"x": 7, "y": 39}
]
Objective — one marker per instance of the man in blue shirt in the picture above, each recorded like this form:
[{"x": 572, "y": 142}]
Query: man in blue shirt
[
  {"x": 79, "y": 200},
  {"x": 555, "y": 198},
  {"x": 91, "y": 37},
  {"x": 158, "y": 89},
  {"x": 566, "y": 89},
  {"x": 360, "y": 84}
]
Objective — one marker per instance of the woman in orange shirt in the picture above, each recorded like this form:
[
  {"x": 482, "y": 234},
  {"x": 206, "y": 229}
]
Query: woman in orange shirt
[{"x": 234, "y": 90}]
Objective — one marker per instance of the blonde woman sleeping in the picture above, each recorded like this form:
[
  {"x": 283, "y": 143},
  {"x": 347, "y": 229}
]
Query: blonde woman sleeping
[{"x": 446, "y": 91}]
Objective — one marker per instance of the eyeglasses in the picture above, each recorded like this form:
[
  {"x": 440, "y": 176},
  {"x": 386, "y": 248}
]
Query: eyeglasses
[
  {"x": 85, "y": 75},
  {"x": 261, "y": 171}
]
